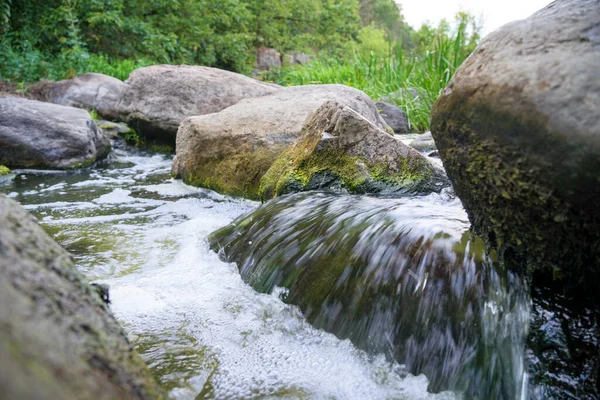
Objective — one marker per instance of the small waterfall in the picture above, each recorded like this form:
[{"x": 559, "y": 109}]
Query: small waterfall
[{"x": 402, "y": 277}]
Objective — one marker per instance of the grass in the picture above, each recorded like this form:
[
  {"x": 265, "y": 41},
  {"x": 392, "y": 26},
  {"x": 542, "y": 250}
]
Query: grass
[{"x": 412, "y": 82}]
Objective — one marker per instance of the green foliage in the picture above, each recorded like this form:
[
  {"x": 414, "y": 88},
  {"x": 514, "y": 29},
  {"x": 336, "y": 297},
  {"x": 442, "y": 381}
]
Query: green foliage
[
  {"x": 372, "y": 42},
  {"x": 410, "y": 79},
  {"x": 4, "y": 170},
  {"x": 94, "y": 115},
  {"x": 57, "y": 39}
]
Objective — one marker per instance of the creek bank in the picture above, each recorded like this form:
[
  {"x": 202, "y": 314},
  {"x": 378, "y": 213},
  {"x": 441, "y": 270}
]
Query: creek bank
[
  {"x": 230, "y": 151},
  {"x": 518, "y": 130},
  {"x": 35, "y": 134},
  {"x": 58, "y": 339},
  {"x": 340, "y": 149}
]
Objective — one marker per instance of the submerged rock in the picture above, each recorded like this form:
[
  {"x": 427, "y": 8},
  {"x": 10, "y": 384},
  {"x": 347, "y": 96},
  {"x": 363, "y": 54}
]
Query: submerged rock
[
  {"x": 396, "y": 276},
  {"x": 90, "y": 91},
  {"x": 424, "y": 142},
  {"x": 395, "y": 117},
  {"x": 518, "y": 130},
  {"x": 34, "y": 134},
  {"x": 341, "y": 149},
  {"x": 158, "y": 98},
  {"x": 231, "y": 150},
  {"x": 58, "y": 339}
]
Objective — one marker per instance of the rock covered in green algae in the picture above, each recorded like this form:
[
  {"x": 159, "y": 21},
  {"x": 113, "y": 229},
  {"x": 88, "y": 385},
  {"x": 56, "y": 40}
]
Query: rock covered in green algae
[
  {"x": 34, "y": 134},
  {"x": 339, "y": 148},
  {"x": 58, "y": 339},
  {"x": 518, "y": 130},
  {"x": 377, "y": 271},
  {"x": 231, "y": 150}
]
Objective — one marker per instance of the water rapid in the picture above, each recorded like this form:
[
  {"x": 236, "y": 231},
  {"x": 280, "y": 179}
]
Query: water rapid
[{"x": 309, "y": 296}]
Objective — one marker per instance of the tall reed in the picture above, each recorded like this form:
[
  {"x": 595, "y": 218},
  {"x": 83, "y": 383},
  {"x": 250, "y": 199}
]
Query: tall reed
[{"x": 411, "y": 81}]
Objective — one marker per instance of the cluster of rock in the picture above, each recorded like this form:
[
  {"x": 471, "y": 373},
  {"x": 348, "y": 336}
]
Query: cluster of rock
[
  {"x": 238, "y": 150},
  {"x": 229, "y": 129}
]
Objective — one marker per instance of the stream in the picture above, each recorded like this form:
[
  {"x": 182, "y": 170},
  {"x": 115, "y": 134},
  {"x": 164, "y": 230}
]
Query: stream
[{"x": 206, "y": 333}]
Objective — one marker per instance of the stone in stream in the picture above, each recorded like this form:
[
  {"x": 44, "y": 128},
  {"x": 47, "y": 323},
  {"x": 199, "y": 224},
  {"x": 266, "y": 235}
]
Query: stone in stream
[
  {"x": 34, "y": 134},
  {"x": 394, "y": 116},
  {"x": 58, "y": 339},
  {"x": 159, "y": 97},
  {"x": 424, "y": 142},
  {"x": 518, "y": 130},
  {"x": 231, "y": 150},
  {"x": 341, "y": 149},
  {"x": 395, "y": 277},
  {"x": 90, "y": 91}
]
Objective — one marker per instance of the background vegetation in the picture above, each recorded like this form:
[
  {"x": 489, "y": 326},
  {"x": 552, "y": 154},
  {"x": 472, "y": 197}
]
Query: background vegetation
[{"x": 361, "y": 43}]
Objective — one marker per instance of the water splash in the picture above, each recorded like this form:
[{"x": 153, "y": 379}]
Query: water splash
[{"x": 400, "y": 277}]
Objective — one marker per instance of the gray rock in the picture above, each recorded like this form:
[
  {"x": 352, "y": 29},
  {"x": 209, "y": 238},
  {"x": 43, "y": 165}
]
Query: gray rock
[
  {"x": 267, "y": 59},
  {"x": 58, "y": 339},
  {"x": 35, "y": 134},
  {"x": 518, "y": 130},
  {"x": 297, "y": 58},
  {"x": 342, "y": 149},
  {"x": 231, "y": 150},
  {"x": 395, "y": 117},
  {"x": 89, "y": 91},
  {"x": 158, "y": 98},
  {"x": 424, "y": 142}
]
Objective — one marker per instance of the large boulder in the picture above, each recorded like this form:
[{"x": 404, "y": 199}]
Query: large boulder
[
  {"x": 341, "y": 149},
  {"x": 34, "y": 134},
  {"x": 231, "y": 150},
  {"x": 58, "y": 339},
  {"x": 158, "y": 98},
  {"x": 90, "y": 91},
  {"x": 518, "y": 129}
]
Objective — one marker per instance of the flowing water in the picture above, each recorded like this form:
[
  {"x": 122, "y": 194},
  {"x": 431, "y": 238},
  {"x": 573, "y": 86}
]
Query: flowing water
[{"x": 439, "y": 306}]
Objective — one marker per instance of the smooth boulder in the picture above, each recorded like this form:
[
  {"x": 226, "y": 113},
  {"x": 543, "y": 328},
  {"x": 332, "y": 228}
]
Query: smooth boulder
[
  {"x": 90, "y": 91},
  {"x": 231, "y": 150},
  {"x": 395, "y": 117},
  {"x": 159, "y": 97},
  {"x": 58, "y": 339},
  {"x": 340, "y": 149},
  {"x": 518, "y": 130},
  {"x": 34, "y": 134}
]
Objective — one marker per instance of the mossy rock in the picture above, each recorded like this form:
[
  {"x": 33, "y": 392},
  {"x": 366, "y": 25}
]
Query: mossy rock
[
  {"x": 4, "y": 170},
  {"x": 518, "y": 130},
  {"x": 364, "y": 269},
  {"x": 339, "y": 149},
  {"x": 231, "y": 150},
  {"x": 58, "y": 338}
]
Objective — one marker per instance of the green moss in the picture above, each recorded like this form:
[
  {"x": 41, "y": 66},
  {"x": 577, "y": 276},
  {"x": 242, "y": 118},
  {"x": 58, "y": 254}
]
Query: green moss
[
  {"x": 4, "y": 170},
  {"x": 510, "y": 172},
  {"x": 294, "y": 169},
  {"x": 237, "y": 175}
]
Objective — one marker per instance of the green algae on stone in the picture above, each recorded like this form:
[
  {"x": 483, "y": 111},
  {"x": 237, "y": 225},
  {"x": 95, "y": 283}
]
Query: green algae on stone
[
  {"x": 519, "y": 134},
  {"x": 341, "y": 149},
  {"x": 4, "y": 170}
]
